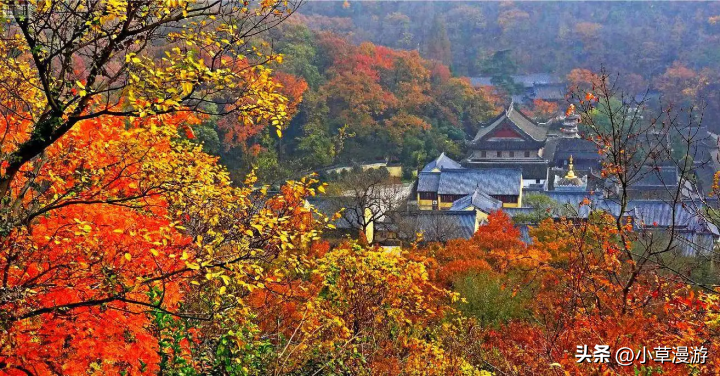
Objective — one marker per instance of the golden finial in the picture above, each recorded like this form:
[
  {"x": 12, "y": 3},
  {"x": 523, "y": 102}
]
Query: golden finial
[{"x": 571, "y": 170}]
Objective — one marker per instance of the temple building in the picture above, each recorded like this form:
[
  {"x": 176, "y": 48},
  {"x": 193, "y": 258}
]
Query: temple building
[
  {"x": 443, "y": 181},
  {"x": 544, "y": 86},
  {"x": 512, "y": 157},
  {"x": 569, "y": 143},
  {"x": 511, "y": 140}
]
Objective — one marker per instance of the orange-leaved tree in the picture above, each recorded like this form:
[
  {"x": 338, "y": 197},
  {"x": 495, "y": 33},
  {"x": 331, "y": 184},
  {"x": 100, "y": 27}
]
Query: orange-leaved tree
[
  {"x": 568, "y": 288},
  {"x": 120, "y": 220},
  {"x": 363, "y": 311},
  {"x": 496, "y": 246},
  {"x": 65, "y": 62},
  {"x": 105, "y": 214},
  {"x": 580, "y": 300}
]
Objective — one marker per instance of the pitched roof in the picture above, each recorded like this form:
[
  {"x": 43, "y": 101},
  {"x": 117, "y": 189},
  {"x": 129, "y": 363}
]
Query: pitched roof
[
  {"x": 531, "y": 169},
  {"x": 492, "y": 181},
  {"x": 481, "y": 81},
  {"x": 329, "y": 205},
  {"x": 527, "y": 80},
  {"x": 660, "y": 177},
  {"x": 549, "y": 92},
  {"x": 440, "y": 163},
  {"x": 442, "y": 225},
  {"x": 659, "y": 213},
  {"x": 479, "y": 200},
  {"x": 559, "y": 149},
  {"x": 428, "y": 181},
  {"x": 516, "y": 120}
]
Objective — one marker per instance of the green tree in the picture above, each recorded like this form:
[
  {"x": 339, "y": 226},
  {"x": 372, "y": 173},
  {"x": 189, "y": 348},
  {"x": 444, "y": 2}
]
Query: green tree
[
  {"x": 439, "y": 47},
  {"x": 500, "y": 67}
]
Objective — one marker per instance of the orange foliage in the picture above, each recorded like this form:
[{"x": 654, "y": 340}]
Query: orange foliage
[
  {"x": 544, "y": 110},
  {"x": 583, "y": 79},
  {"x": 496, "y": 246},
  {"x": 580, "y": 289},
  {"x": 679, "y": 84},
  {"x": 80, "y": 253},
  {"x": 119, "y": 222},
  {"x": 237, "y": 132},
  {"x": 580, "y": 298}
]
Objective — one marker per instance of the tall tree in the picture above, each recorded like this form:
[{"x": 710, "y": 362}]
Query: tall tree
[
  {"x": 439, "y": 47},
  {"x": 83, "y": 60}
]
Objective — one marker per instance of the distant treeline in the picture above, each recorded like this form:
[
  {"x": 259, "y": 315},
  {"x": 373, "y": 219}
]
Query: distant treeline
[{"x": 359, "y": 103}]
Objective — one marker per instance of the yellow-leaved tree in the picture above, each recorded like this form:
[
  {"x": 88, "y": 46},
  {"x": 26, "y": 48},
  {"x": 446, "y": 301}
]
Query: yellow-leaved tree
[
  {"x": 63, "y": 62},
  {"x": 125, "y": 249}
]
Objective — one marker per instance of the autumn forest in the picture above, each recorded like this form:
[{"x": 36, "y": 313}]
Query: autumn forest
[{"x": 294, "y": 187}]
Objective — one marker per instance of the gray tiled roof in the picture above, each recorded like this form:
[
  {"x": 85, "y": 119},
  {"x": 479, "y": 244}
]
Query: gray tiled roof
[
  {"x": 492, "y": 181},
  {"x": 693, "y": 233},
  {"x": 531, "y": 169},
  {"x": 481, "y": 81},
  {"x": 428, "y": 181},
  {"x": 527, "y": 80},
  {"x": 512, "y": 212},
  {"x": 519, "y": 120},
  {"x": 329, "y": 205},
  {"x": 479, "y": 200},
  {"x": 584, "y": 152},
  {"x": 663, "y": 177},
  {"x": 549, "y": 92},
  {"x": 444, "y": 225},
  {"x": 441, "y": 162},
  {"x": 658, "y": 213}
]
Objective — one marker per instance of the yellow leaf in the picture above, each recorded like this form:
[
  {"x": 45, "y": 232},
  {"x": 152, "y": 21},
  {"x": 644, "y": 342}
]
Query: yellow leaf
[
  {"x": 187, "y": 87},
  {"x": 128, "y": 256}
]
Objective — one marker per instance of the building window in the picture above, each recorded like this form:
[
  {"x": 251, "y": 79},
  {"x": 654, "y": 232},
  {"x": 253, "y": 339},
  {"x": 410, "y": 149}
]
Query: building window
[
  {"x": 512, "y": 154},
  {"x": 499, "y": 154},
  {"x": 527, "y": 154},
  {"x": 537, "y": 181},
  {"x": 483, "y": 154},
  {"x": 428, "y": 196},
  {"x": 446, "y": 199}
]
